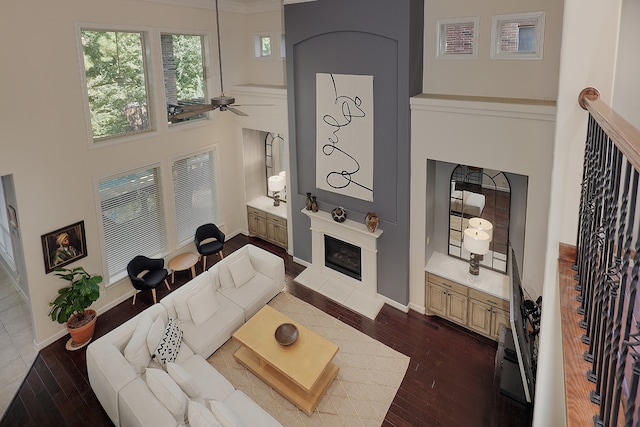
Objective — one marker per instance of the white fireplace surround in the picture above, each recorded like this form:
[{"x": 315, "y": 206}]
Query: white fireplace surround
[{"x": 359, "y": 295}]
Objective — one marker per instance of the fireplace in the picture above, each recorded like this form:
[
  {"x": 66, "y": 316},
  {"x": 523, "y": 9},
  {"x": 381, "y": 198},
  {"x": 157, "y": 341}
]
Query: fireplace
[{"x": 343, "y": 257}]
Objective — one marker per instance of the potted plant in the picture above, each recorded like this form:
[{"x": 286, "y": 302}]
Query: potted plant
[{"x": 71, "y": 305}]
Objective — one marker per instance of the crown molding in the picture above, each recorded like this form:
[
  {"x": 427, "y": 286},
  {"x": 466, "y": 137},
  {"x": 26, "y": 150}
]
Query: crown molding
[{"x": 256, "y": 6}]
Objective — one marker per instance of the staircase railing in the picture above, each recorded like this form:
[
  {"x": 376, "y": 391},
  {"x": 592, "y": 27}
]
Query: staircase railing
[{"x": 607, "y": 264}]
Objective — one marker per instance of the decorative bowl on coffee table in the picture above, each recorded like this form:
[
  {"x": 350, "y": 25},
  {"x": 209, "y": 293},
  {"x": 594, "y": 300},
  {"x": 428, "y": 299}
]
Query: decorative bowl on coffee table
[{"x": 286, "y": 334}]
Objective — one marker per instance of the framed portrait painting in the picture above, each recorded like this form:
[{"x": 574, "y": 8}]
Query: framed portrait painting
[{"x": 64, "y": 246}]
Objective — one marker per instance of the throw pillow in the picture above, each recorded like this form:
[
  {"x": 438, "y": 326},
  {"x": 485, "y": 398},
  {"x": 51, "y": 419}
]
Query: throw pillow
[
  {"x": 226, "y": 281},
  {"x": 183, "y": 378},
  {"x": 224, "y": 414},
  {"x": 241, "y": 270},
  {"x": 203, "y": 304},
  {"x": 155, "y": 334},
  {"x": 200, "y": 416},
  {"x": 167, "y": 392},
  {"x": 136, "y": 352},
  {"x": 169, "y": 346},
  {"x": 180, "y": 304}
]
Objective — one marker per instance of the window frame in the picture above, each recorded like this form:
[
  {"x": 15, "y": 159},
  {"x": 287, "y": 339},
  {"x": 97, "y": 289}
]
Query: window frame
[
  {"x": 148, "y": 65},
  {"x": 277, "y": 45},
  {"x": 496, "y": 30},
  {"x": 112, "y": 279},
  {"x": 217, "y": 184},
  {"x": 441, "y": 39}
]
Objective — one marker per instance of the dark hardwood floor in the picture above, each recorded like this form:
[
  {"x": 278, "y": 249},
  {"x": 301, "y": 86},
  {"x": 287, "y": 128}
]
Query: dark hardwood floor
[{"x": 449, "y": 381}]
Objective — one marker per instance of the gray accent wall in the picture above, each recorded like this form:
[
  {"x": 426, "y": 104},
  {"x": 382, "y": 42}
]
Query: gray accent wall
[{"x": 383, "y": 39}]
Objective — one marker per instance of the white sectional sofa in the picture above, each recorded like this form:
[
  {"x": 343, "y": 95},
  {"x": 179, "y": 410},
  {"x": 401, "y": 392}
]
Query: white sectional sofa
[{"x": 152, "y": 370}]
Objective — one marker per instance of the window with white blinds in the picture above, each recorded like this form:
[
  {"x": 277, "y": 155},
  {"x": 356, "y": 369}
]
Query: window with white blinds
[
  {"x": 195, "y": 187},
  {"x": 132, "y": 217}
]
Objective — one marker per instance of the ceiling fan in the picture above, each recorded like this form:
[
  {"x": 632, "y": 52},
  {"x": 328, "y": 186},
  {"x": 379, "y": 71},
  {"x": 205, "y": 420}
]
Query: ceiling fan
[{"x": 222, "y": 102}]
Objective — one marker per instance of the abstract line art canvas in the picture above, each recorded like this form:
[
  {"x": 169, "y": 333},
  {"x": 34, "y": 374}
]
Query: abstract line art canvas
[{"x": 344, "y": 134}]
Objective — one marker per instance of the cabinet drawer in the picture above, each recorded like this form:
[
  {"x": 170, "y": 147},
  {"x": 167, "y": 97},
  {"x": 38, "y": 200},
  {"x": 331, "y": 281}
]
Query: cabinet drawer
[
  {"x": 256, "y": 212},
  {"x": 489, "y": 299},
  {"x": 278, "y": 220},
  {"x": 441, "y": 281}
]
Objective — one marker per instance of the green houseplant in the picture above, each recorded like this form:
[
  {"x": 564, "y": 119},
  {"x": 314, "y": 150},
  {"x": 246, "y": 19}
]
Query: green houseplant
[{"x": 71, "y": 304}]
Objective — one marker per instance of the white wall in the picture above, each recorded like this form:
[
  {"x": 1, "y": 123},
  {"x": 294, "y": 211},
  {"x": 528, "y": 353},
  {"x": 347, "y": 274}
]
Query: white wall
[
  {"x": 45, "y": 146},
  {"x": 483, "y": 76}
]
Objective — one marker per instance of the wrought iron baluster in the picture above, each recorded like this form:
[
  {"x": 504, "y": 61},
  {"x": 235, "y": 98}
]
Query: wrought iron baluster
[{"x": 625, "y": 236}]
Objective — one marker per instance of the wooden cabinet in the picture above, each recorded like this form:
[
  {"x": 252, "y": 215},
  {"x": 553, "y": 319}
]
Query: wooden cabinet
[
  {"x": 472, "y": 308},
  {"x": 269, "y": 227},
  {"x": 447, "y": 299}
]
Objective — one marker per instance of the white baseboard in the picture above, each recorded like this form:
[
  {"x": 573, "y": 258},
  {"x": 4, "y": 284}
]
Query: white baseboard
[
  {"x": 419, "y": 308},
  {"x": 394, "y": 304},
  {"x": 301, "y": 262}
]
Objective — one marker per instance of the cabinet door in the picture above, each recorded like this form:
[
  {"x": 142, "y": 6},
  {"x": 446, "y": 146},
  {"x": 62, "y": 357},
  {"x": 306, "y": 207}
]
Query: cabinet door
[
  {"x": 436, "y": 299},
  {"x": 282, "y": 239},
  {"x": 457, "y": 307},
  {"x": 271, "y": 232},
  {"x": 480, "y": 316},
  {"x": 500, "y": 317}
]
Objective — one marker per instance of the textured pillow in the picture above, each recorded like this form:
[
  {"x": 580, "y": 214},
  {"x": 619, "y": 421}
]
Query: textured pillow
[
  {"x": 202, "y": 304},
  {"x": 169, "y": 346},
  {"x": 167, "y": 392},
  {"x": 155, "y": 334},
  {"x": 183, "y": 378},
  {"x": 200, "y": 416},
  {"x": 241, "y": 270},
  {"x": 224, "y": 414}
]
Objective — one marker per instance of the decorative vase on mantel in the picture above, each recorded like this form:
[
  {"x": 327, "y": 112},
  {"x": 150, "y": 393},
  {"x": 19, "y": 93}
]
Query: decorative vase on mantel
[
  {"x": 314, "y": 204},
  {"x": 371, "y": 221},
  {"x": 308, "y": 203}
]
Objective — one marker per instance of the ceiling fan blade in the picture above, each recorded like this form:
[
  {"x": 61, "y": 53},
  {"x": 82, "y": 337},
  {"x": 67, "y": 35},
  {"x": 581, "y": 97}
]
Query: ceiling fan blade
[
  {"x": 191, "y": 112},
  {"x": 254, "y": 105},
  {"x": 236, "y": 111}
]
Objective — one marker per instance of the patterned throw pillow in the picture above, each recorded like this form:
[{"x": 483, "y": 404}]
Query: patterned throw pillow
[{"x": 169, "y": 346}]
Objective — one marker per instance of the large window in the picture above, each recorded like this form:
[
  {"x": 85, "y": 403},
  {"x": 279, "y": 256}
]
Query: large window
[
  {"x": 195, "y": 186},
  {"x": 116, "y": 82},
  {"x": 183, "y": 71},
  {"x": 132, "y": 217}
]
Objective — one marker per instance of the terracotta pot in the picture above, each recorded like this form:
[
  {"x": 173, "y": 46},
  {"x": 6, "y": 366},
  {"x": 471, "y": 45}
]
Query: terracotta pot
[{"x": 84, "y": 333}]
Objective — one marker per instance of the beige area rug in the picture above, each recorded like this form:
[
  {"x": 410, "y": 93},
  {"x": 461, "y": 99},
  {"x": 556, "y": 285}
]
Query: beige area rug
[{"x": 369, "y": 377}]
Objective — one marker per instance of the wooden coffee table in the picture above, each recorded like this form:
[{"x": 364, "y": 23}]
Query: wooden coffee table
[
  {"x": 183, "y": 262},
  {"x": 301, "y": 372}
]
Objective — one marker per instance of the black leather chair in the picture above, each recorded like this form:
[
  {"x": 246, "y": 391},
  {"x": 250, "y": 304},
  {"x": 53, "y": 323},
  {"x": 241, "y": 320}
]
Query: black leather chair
[
  {"x": 154, "y": 274},
  {"x": 209, "y": 240}
]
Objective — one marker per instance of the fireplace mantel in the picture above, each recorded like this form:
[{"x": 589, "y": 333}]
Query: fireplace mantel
[{"x": 359, "y": 295}]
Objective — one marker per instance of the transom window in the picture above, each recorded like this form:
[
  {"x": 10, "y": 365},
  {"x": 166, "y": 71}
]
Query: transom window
[
  {"x": 457, "y": 38},
  {"x": 518, "y": 36},
  {"x": 116, "y": 82}
]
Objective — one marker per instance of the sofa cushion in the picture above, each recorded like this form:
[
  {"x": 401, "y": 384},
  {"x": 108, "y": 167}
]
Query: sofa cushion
[
  {"x": 184, "y": 379},
  {"x": 167, "y": 392},
  {"x": 224, "y": 414},
  {"x": 253, "y": 295},
  {"x": 180, "y": 298},
  {"x": 241, "y": 270},
  {"x": 210, "y": 383},
  {"x": 139, "y": 407},
  {"x": 169, "y": 345},
  {"x": 200, "y": 416},
  {"x": 202, "y": 304},
  {"x": 206, "y": 338},
  {"x": 136, "y": 352}
]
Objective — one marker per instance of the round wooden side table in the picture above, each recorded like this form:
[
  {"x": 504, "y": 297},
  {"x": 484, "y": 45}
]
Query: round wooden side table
[{"x": 183, "y": 262}]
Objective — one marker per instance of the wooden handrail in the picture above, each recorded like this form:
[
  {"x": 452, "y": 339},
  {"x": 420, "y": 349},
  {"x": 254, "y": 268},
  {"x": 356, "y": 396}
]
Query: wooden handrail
[{"x": 622, "y": 133}]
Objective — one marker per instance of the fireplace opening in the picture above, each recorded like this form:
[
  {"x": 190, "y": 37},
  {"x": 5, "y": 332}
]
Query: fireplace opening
[{"x": 343, "y": 257}]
